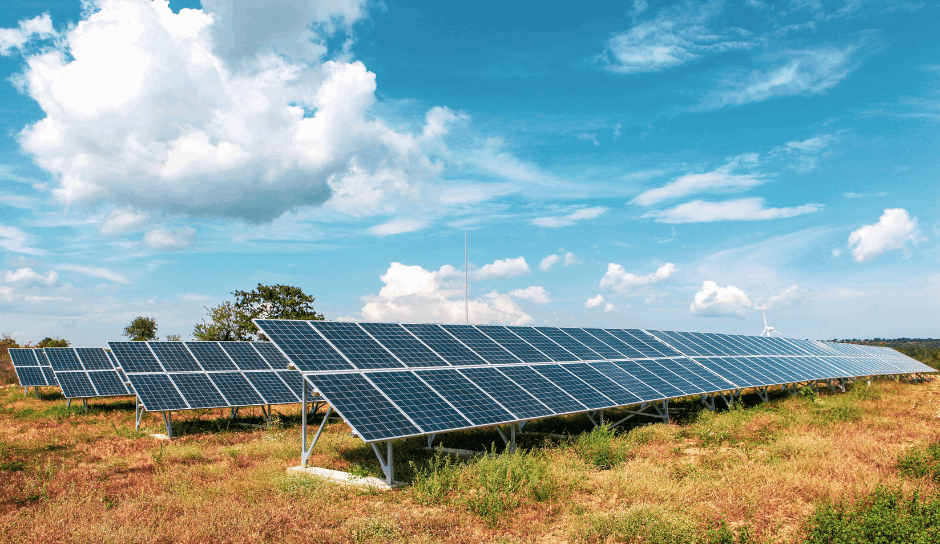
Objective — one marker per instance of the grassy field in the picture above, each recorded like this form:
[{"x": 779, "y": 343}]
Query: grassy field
[{"x": 793, "y": 470}]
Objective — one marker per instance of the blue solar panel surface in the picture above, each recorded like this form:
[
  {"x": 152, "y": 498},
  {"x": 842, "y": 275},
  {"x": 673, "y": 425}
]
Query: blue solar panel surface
[
  {"x": 75, "y": 385},
  {"x": 236, "y": 389},
  {"x": 543, "y": 343},
  {"x": 409, "y": 350},
  {"x": 466, "y": 397},
  {"x": 481, "y": 344},
  {"x": 107, "y": 383},
  {"x": 514, "y": 344},
  {"x": 157, "y": 393},
  {"x": 565, "y": 340},
  {"x": 303, "y": 345},
  {"x": 271, "y": 354},
  {"x": 245, "y": 356},
  {"x": 445, "y": 345},
  {"x": 211, "y": 356},
  {"x": 94, "y": 359},
  {"x": 512, "y": 397},
  {"x": 63, "y": 359},
  {"x": 418, "y": 401},
  {"x": 364, "y": 407},
  {"x": 356, "y": 344},
  {"x": 135, "y": 357}
]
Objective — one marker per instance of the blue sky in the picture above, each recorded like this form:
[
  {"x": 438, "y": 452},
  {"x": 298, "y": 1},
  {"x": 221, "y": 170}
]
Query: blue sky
[{"x": 662, "y": 165}]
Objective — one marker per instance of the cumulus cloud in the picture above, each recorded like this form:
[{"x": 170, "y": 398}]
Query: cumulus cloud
[
  {"x": 230, "y": 111},
  {"x": 743, "y": 209},
  {"x": 715, "y": 301},
  {"x": 95, "y": 272},
  {"x": 170, "y": 239},
  {"x": 501, "y": 269},
  {"x": 548, "y": 262},
  {"x": 534, "y": 293},
  {"x": 594, "y": 302},
  {"x": 609, "y": 307},
  {"x": 123, "y": 221},
  {"x": 15, "y": 240},
  {"x": 414, "y": 294},
  {"x": 674, "y": 37},
  {"x": 775, "y": 301},
  {"x": 29, "y": 277},
  {"x": 15, "y": 38},
  {"x": 894, "y": 230},
  {"x": 6, "y": 293},
  {"x": 723, "y": 179},
  {"x": 621, "y": 281},
  {"x": 571, "y": 259},
  {"x": 571, "y": 218},
  {"x": 398, "y": 226}
]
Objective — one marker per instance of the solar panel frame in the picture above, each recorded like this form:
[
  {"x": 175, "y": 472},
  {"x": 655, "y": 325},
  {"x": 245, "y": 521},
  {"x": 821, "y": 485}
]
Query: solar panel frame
[
  {"x": 408, "y": 348},
  {"x": 514, "y": 344},
  {"x": 481, "y": 344},
  {"x": 356, "y": 345},
  {"x": 516, "y": 400},
  {"x": 135, "y": 357},
  {"x": 294, "y": 339},
  {"x": 445, "y": 345},
  {"x": 30, "y": 376}
]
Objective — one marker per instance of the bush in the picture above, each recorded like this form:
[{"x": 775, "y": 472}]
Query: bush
[
  {"x": 432, "y": 483},
  {"x": 497, "y": 484},
  {"x": 601, "y": 448},
  {"x": 921, "y": 462},
  {"x": 641, "y": 524},
  {"x": 885, "y": 516}
]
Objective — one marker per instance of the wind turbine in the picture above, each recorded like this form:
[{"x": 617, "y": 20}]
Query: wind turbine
[{"x": 767, "y": 330}]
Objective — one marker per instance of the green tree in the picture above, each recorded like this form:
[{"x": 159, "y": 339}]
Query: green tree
[
  {"x": 141, "y": 329},
  {"x": 57, "y": 342},
  {"x": 232, "y": 321},
  {"x": 174, "y": 338}
]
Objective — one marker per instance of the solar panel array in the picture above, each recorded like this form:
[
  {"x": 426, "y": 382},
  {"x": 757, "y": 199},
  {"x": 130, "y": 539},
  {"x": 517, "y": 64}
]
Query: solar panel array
[
  {"x": 86, "y": 373},
  {"x": 392, "y": 380},
  {"x": 190, "y": 375},
  {"x": 32, "y": 368}
]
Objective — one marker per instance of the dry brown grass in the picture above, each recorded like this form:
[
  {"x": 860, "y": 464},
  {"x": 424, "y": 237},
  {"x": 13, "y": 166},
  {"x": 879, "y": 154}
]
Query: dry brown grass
[{"x": 90, "y": 478}]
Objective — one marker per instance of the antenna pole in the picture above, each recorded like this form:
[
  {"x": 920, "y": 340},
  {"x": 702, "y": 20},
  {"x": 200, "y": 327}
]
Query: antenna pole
[{"x": 466, "y": 280}]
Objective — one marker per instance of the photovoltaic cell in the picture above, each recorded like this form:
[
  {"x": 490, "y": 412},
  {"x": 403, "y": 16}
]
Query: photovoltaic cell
[
  {"x": 107, "y": 383},
  {"x": 303, "y": 345},
  {"x": 418, "y": 401},
  {"x": 513, "y": 398},
  {"x": 210, "y": 356},
  {"x": 708, "y": 381},
  {"x": 199, "y": 391},
  {"x": 685, "y": 380},
  {"x": 23, "y": 357},
  {"x": 358, "y": 347},
  {"x": 594, "y": 344},
  {"x": 540, "y": 387},
  {"x": 603, "y": 384},
  {"x": 272, "y": 355},
  {"x": 465, "y": 396},
  {"x": 627, "y": 381},
  {"x": 30, "y": 376},
  {"x": 543, "y": 344},
  {"x": 481, "y": 344},
  {"x": 94, "y": 359},
  {"x": 565, "y": 340},
  {"x": 514, "y": 344},
  {"x": 245, "y": 356},
  {"x": 272, "y": 388},
  {"x": 157, "y": 393},
  {"x": 641, "y": 372},
  {"x": 49, "y": 374},
  {"x": 643, "y": 336},
  {"x": 76, "y": 385},
  {"x": 63, "y": 359},
  {"x": 135, "y": 357},
  {"x": 445, "y": 345},
  {"x": 236, "y": 389},
  {"x": 626, "y": 351},
  {"x": 574, "y": 386},
  {"x": 294, "y": 382},
  {"x": 638, "y": 345},
  {"x": 175, "y": 357},
  {"x": 363, "y": 407},
  {"x": 403, "y": 344}
]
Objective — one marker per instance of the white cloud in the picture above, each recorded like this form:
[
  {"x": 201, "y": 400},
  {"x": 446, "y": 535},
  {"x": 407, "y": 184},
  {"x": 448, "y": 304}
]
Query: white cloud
[
  {"x": 674, "y": 37},
  {"x": 775, "y": 301},
  {"x": 722, "y": 179},
  {"x": 743, "y": 209},
  {"x": 27, "y": 276},
  {"x": 95, "y": 272},
  {"x": 893, "y": 230},
  {"x": 571, "y": 218},
  {"x": 123, "y": 221},
  {"x": 170, "y": 239},
  {"x": 609, "y": 307},
  {"x": 715, "y": 301},
  {"x": 414, "y": 294},
  {"x": 534, "y": 293},
  {"x": 571, "y": 259},
  {"x": 15, "y": 38},
  {"x": 806, "y": 154},
  {"x": 548, "y": 262},
  {"x": 501, "y": 269},
  {"x": 15, "y": 240},
  {"x": 7, "y": 293},
  {"x": 621, "y": 281},
  {"x": 227, "y": 112},
  {"x": 594, "y": 302},
  {"x": 590, "y": 137},
  {"x": 398, "y": 226}
]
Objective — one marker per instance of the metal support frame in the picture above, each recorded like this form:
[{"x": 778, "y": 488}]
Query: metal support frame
[
  {"x": 709, "y": 401},
  {"x": 234, "y": 412},
  {"x": 169, "y": 423},
  {"x": 511, "y": 440},
  {"x": 599, "y": 414},
  {"x": 304, "y": 450},
  {"x": 661, "y": 413},
  {"x": 85, "y": 405},
  {"x": 729, "y": 400},
  {"x": 68, "y": 403},
  {"x": 763, "y": 393},
  {"x": 138, "y": 413},
  {"x": 431, "y": 438},
  {"x": 387, "y": 464}
]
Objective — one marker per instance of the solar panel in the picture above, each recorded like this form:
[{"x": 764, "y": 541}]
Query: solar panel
[
  {"x": 445, "y": 345},
  {"x": 684, "y": 380},
  {"x": 272, "y": 388},
  {"x": 30, "y": 376},
  {"x": 94, "y": 359},
  {"x": 547, "y": 392},
  {"x": 649, "y": 378},
  {"x": 644, "y": 392},
  {"x": 514, "y": 344},
  {"x": 49, "y": 375},
  {"x": 705, "y": 380},
  {"x": 602, "y": 349},
  {"x": 156, "y": 392},
  {"x": 492, "y": 352},
  {"x": 513, "y": 398},
  {"x": 565, "y": 340},
  {"x": 655, "y": 343},
  {"x": 210, "y": 356},
  {"x": 75, "y": 384},
  {"x": 645, "y": 349},
  {"x": 356, "y": 344},
  {"x": 135, "y": 357},
  {"x": 605, "y": 385},
  {"x": 623, "y": 348},
  {"x": 63, "y": 359},
  {"x": 199, "y": 391},
  {"x": 293, "y": 380},
  {"x": 424, "y": 406},
  {"x": 727, "y": 371},
  {"x": 409, "y": 350},
  {"x": 244, "y": 355},
  {"x": 364, "y": 407},
  {"x": 107, "y": 383},
  {"x": 236, "y": 389},
  {"x": 271, "y": 354},
  {"x": 575, "y": 386},
  {"x": 677, "y": 342},
  {"x": 303, "y": 345},
  {"x": 175, "y": 357},
  {"x": 544, "y": 344},
  {"x": 466, "y": 397},
  {"x": 23, "y": 357}
]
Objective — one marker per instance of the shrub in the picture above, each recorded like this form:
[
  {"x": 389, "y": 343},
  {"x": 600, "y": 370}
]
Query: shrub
[
  {"x": 433, "y": 482},
  {"x": 641, "y": 524},
  {"x": 884, "y": 516},
  {"x": 601, "y": 448},
  {"x": 921, "y": 462}
]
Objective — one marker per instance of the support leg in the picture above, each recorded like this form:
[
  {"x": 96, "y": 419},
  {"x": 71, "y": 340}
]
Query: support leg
[
  {"x": 431, "y": 438},
  {"x": 169, "y": 424},
  {"x": 68, "y": 403},
  {"x": 234, "y": 413},
  {"x": 305, "y": 451},
  {"x": 138, "y": 413},
  {"x": 303, "y": 423},
  {"x": 387, "y": 464},
  {"x": 85, "y": 405},
  {"x": 512, "y": 435},
  {"x": 36, "y": 391}
]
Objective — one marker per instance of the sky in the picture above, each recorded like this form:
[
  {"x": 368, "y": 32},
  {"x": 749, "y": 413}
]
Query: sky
[{"x": 657, "y": 165}]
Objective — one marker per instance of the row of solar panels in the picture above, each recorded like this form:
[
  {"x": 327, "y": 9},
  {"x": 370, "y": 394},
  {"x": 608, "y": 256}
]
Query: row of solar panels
[
  {"x": 394, "y": 381},
  {"x": 32, "y": 368},
  {"x": 189, "y": 375},
  {"x": 325, "y": 346}
]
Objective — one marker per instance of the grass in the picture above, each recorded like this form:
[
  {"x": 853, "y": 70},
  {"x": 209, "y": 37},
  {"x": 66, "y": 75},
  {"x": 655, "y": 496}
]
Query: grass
[{"x": 797, "y": 469}]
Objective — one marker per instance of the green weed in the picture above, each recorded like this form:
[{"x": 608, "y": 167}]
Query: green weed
[
  {"x": 374, "y": 529},
  {"x": 885, "y": 516},
  {"x": 602, "y": 448},
  {"x": 722, "y": 534},
  {"x": 299, "y": 485},
  {"x": 497, "y": 484},
  {"x": 640, "y": 524},
  {"x": 921, "y": 462},
  {"x": 432, "y": 483}
]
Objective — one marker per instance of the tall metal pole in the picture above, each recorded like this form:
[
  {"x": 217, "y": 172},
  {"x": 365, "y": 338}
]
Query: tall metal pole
[{"x": 466, "y": 280}]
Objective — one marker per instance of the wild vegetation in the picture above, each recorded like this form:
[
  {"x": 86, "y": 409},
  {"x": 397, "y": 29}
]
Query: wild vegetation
[{"x": 811, "y": 468}]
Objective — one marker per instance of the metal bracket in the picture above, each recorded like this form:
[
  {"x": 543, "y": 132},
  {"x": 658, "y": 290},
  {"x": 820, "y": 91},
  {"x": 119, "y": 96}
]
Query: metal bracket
[
  {"x": 511, "y": 441},
  {"x": 233, "y": 414},
  {"x": 169, "y": 424},
  {"x": 709, "y": 401},
  {"x": 431, "y": 438},
  {"x": 596, "y": 413},
  {"x": 305, "y": 451},
  {"x": 388, "y": 466},
  {"x": 138, "y": 413},
  {"x": 763, "y": 393},
  {"x": 642, "y": 411},
  {"x": 85, "y": 405},
  {"x": 68, "y": 403}
]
